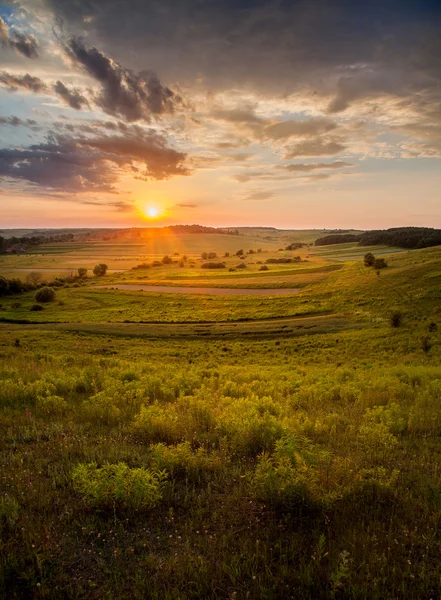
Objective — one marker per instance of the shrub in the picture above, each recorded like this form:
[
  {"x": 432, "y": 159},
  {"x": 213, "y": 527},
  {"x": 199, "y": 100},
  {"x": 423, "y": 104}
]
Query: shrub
[
  {"x": 425, "y": 415},
  {"x": 425, "y": 344},
  {"x": 9, "y": 510},
  {"x": 51, "y": 405},
  {"x": 167, "y": 260},
  {"x": 379, "y": 263},
  {"x": 119, "y": 485},
  {"x": 4, "y": 286},
  {"x": 241, "y": 266},
  {"x": 212, "y": 265},
  {"x": 82, "y": 272},
  {"x": 100, "y": 270},
  {"x": 45, "y": 294},
  {"x": 369, "y": 259},
  {"x": 283, "y": 260},
  {"x": 396, "y": 319},
  {"x": 181, "y": 459},
  {"x": 157, "y": 424},
  {"x": 34, "y": 278},
  {"x": 263, "y": 268},
  {"x": 36, "y": 307},
  {"x": 285, "y": 485},
  {"x": 376, "y": 440},
  {"x": 101, "y": 408},
  {"x": 211, "y": 255}
]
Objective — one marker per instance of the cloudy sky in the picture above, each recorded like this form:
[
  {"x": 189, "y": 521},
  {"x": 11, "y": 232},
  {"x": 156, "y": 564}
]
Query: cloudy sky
[{"x": 308, "y": 113}]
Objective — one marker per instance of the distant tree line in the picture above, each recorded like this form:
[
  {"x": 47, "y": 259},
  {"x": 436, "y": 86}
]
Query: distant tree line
[
  {"x": 22, "y": 243},
  {"x": 345, "y": 238},
  {"x": 402, "y": 237}
]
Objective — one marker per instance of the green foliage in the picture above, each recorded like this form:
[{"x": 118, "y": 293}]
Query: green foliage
[
  {"x": 51, "y": 405},
  {"x": 213, "y": 265},
  {"x": 379, "y": 263},
  {"x": 45, "y": 294},
  {"x": 425, "y": 343},
  {"x": 9, "y": 511},
  {"x": 369, "y": 259},
  {"x": 118, "y": 484},
  {"x": 396, "y": 318},
  {"x": 183, "y": 460},
  {"x": 100, "y": 270},
  {"x": 37, "y": 308},
  {"x": 288, "y": 443}
]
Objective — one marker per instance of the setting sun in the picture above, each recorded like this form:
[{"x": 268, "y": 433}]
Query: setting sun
[{"x": 152, "y": 212}]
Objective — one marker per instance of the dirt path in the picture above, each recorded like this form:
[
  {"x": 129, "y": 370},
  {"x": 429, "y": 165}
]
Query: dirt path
[{"x": 210, "y": 291}]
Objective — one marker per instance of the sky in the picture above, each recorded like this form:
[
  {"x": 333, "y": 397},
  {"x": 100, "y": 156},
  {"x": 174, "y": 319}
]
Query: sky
[{"x": 291, "y": 114}]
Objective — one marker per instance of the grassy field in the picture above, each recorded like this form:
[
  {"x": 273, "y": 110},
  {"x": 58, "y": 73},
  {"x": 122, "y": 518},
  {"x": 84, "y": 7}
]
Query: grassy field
[{"x": 189, "y": 447}]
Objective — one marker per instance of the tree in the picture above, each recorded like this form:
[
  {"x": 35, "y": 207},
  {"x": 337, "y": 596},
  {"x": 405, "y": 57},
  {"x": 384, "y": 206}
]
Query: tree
[
  {"x": 167, "y": 260},
  {"x": 369, "y": 259},
  {"x": 100, "y": 270},
  {"x": 34, "y": 278},
  {"x": 239, "y": 253},
  {"x": 82, "y": 273},
  {"x": 45, "y": 294},
  {"x": 204, "y": 255},
  {"x": 379, "y": 263},
  {"x": 4, "y": 286}
]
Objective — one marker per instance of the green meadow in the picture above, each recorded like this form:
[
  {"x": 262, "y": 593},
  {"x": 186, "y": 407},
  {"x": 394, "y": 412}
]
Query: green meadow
[{"x": 180, "y": 446}]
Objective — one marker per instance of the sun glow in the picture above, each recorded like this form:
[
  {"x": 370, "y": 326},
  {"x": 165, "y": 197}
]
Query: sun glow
[{"x": 151, "y": 212}]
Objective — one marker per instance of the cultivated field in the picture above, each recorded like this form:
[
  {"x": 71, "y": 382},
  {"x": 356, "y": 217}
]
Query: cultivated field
[{"x": 186, "y": 446}]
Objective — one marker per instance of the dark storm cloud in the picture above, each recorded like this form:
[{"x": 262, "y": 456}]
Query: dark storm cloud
[
  {"x": 26, "y": 82},
  {"x": 82, "y": 164},
  {"x": 124, "y": 93},
  {"x": 26, "y": 45},
  {"x": 74, "y": 98},
  {"x": 269, "y": 45}
]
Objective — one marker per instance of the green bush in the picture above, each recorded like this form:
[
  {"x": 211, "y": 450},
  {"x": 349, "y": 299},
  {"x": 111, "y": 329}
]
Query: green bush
[
  {"x": 118, "y": 485},
  {"x": 379, "y": 263},
  {"x": 396, "y": 318},
  {"x": 51, "y": 405},
  {"x": 100, "y": 270},
  {"x": 369, "y": 259},
  {"x": 213, "y": 265},
  {"x": 285, "y": 485},
  {"x": 157, "y": 424},
  {"x": 101, "y": 408},
  {"x": 9, "y": 510},
  {"x": 181, "y": 459},
  {"x": 45, "y": 294}
]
